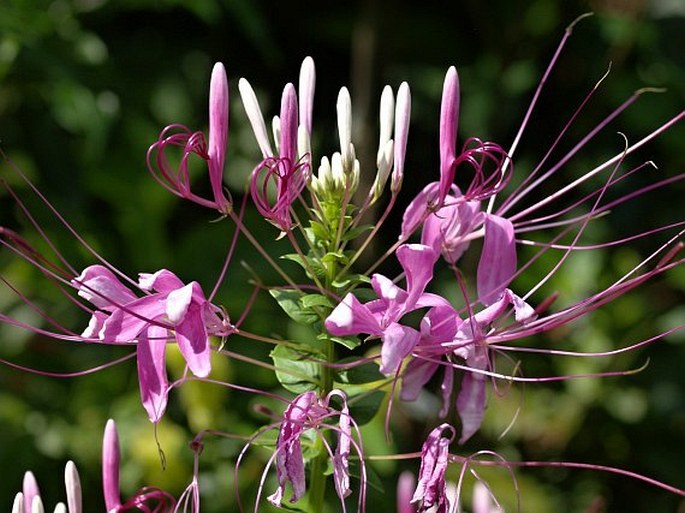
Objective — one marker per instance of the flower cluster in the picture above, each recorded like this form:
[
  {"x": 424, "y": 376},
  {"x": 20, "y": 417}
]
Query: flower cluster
[{"x": 374, "y": 333}]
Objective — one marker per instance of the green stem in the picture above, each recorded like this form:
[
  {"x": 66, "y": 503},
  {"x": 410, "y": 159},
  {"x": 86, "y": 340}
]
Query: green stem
[{"x": 317, "y": 485}]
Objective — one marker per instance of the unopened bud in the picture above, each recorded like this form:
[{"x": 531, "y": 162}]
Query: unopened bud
[
  {"x": 306, "y": 94},
  {"x": 386, "y": 121},
  {"x": 385, "y": 161},
  {"x": 72, "y": 483},
  {"x": 37, "y": 505},
  {"x": 304, "y": 146},
  {"x": 60, "y": 508},
  {"x": 402, "y": 116},
  {"x": 344, "y": 111},
  {"x": 254, "y": 114},
  {"x": 276, "y": 131},
  {"x": 18, "y": 505}
]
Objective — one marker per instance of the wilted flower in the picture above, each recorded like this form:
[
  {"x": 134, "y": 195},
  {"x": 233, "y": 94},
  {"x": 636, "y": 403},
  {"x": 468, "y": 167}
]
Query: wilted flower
[
  {"x": 431, "y": 489},
  {"x": 304, "y": 413}
]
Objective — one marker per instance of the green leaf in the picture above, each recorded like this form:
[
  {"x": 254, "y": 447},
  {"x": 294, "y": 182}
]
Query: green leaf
[
  {"x": 295, "y": 370},
  {"x": 290, "y": 302},
  {"x": 360, "y": 374},
  {"x": 356, "y": 232},
  {"x": 350, "y": 280},
  {"x": 307, "y": 264},
  {"x": 365, "y": 408},
  {"x": 314, "y": 300},
  {"x": 348, "y": 342}
]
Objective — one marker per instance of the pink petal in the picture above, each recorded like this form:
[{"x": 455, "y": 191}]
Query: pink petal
[
  {"x": 497, "y": 264},
  {"x": 341, "y": 467},
  {"x": 449, "y": 117},
  {"x": 417, "y": 261},
  {"x": 398, "y": 341},
  {"x": 111, "y": 457},
  {"x": 391, "y": 297},
  {"x": 178, "y": 301},
  {"x": 218, "y": 131},
  {"x": 446, "y": 390},
  {"x": 471, "y": 399},
  {"x": 125, "y": 326},
  {"x": 414, "y": 378},
  {"x": 95, "y": 325},
  {"x": 416, "y": 211},
  {"x": 288, "y": 146},
  {"x": 162, "y": 281},
  {"x": 192, "y": 340},
  {"x": 101, "y": 287},
  {"x": 351, "y": 317},
  {"x": 152, "y": 375},
  {"x": 405, "y": 487},
  {"x": 30, "y": 490}
]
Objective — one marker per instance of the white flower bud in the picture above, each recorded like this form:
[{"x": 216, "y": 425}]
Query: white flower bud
[
  {"x": 306, "y": 93},
  {"x": 72, "y": 483},
  {"x": 344, "y": 111},
  {"x": 60, "y": 508},
  {"x": 37, "y": 505},
  {"x": 304, "y": 146},
  {"x": 18, "y": 505},
  {"x": 276, "y": 131},
  {"x": 387, "y": 116},
  {"x": 254, "y": 114},
  {"x": 385, "y": 161}
]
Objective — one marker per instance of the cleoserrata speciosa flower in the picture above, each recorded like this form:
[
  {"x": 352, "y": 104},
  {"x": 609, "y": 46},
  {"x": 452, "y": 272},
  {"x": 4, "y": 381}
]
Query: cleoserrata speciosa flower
[{"x": 212, "y": 150}]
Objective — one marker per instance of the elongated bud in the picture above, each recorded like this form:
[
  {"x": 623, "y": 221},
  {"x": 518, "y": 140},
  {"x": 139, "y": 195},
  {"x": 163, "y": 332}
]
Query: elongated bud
[
  {"x": 18, "y": 504},
  {"x": 218, "y": 132},
  {"x": 306, "y": 93},
  {"x": 402, "y": 117},
  {"x": 405, "y": 490},
  {"x": 60, "y": 508},
  {"x": 218, "y": 115},
  {"x": 344, "y": 110},
  {"x": 385, "y": 161},
  {"x": 303, "y": 143},
  {"x": 72, "y": 483},
  {"x": 449, "y": 116},
  {"x": 276, "y": 132},
  {"x": 387, "y": 112},
  {"x": 111, "y": 457},
  {"x": 288, "y": 146},
  {"x": 254, "y": 114},
  {"x": 30, "y": 489}
]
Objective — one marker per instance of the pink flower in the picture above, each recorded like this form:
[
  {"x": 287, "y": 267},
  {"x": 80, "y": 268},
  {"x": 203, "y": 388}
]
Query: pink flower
[
  {"x": 178, "y": 180},
  {"x": 381, "y": 317},
  {"x": 169, "y": 306}
]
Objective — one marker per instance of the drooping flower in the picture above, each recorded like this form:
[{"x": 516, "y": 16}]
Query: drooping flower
[
  {"x": 169, "y": 307},
  {"x": 431, "y": 490},
  {"x": 177, "y": 180},
  {"x": 307, "y": 411}
]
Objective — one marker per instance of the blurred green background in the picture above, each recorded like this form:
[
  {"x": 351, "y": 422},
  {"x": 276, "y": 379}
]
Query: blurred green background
[{"x": 85, "y": 88}]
